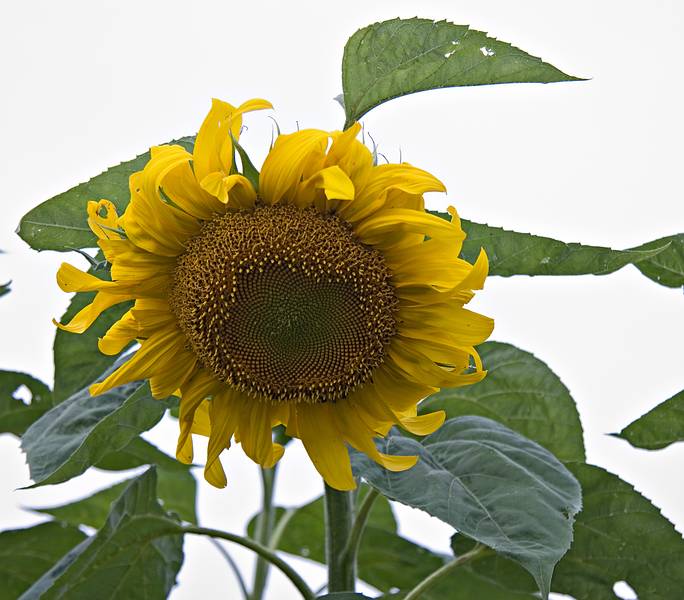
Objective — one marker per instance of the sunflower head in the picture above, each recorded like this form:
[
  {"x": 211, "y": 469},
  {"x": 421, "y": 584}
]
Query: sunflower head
[{"x": 326, "y": 300}]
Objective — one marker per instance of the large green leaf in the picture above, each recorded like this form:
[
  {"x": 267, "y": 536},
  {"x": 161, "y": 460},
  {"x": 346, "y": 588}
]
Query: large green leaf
[
  {"x": 25, "y": 554},
  {"x": 15, "y": 414},
  {"x": 60, "y": 223},
  {"x": 521, "y": 392},
  {"x": 176, "y": 487},
  {"x": 666, "y": 267},
  {"x": 619, "y": 536},
  {"x": 132, "y": 557},
  {"x": 78, "y": 361},
  {"x": 82, "y": 430},
  {"x": 513, "y": 253},
  {"x": 402, "y": 56},
  {"x": 491, "y": 484},
  {"x": 658, "y": 428}
]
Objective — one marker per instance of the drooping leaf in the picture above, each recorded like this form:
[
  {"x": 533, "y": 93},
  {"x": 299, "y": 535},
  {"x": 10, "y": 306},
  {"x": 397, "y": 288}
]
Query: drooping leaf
[
  {"x": 15, "y": 414},
  {"x": 60, "y": 223},
  {"x": 402, "y": 56},
  {"x": 658, "y": 428},
  {"x": 619, "y": 536},
  {"x": 176, "y": 487},
  {"x": 491, "y": 484},
  {"x": 666, "y": 267},
  {"x": 521, "y": 392},
  {"x": 25, "y": 554},
  {"x": 82, "y": 430},
  {"x": 132, "y": 557},
  {"x": 78, "y": 361}
]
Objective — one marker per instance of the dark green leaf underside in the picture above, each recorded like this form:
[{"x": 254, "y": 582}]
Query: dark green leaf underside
[
  {"x": 619, "y": 536},
  {"x": 82, "y": 430},
  {"x": 490, "y": 483},
  {"x": 402, "y": 56},
  {"x": 658, "y": 428}
]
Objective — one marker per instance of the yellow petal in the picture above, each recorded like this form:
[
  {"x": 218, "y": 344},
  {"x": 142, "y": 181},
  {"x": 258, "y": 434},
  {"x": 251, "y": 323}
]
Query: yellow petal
[
  {"x": 224, "y": 415},
  {"x": 213, "y": 146},
  {"x": 103, "y": 220},
  {"x": 255, "y": 432},
  {"x": 155, "y": 352},
  {"x": 235, "y": 191},
  {"x": 358, "y": 435},
  {"x": 119, "y": 335},
  {"x": 291, "y": 157},
  {"x": 88, "y": 314},
  {"x": 324, "y": 444}
]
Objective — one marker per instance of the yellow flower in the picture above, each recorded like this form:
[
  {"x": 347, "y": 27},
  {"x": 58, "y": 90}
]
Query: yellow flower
[{"x": 327, "y": 300}]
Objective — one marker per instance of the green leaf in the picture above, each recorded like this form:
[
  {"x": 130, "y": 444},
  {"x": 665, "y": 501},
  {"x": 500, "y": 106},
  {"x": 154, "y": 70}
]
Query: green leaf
[
  {"x": 61, "y": 223},
  {"x": 658, "y": 428},
  {"x": 513, "y": 253},
  {"x": 82, "y": 430},
  {"x": 521, "y": 392},
  {"x": 176, "y": 487},
  {"x": 78, "y": 360},
  {"x": 491, "y": 484},
  {"x": 5, "y": 288},
  {"x": 403, "y": 56},
  {"x": 619, "y": 536},
  {"x": 16, "y": 415},
  {"x": 91, "y": 511},
  {"x": 25, "y": 554},
  {"x": 666, "y": 267},
  {"x": 132, "y": 557}
]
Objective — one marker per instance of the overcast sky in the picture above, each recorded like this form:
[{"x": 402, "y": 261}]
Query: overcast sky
[{"x": 89, "y": 84}]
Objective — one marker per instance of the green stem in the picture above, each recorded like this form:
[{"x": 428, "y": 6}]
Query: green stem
[
  {"x": 233, "y": 566},
  {"x": 431, "y": 579},
  {"x": 351, "y": 549},
  {"x": 338, "y": 525},
  {"x": 262, "y": 534},
  {"x": 265, "y": 553}
]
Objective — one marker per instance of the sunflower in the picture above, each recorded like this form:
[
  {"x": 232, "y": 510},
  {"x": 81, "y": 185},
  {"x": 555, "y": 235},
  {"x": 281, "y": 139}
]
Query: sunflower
[{"x": 321, "y": 296}]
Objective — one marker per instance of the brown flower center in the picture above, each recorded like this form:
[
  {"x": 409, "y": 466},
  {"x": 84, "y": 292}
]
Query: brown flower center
[{"x": 285, "y": 303}]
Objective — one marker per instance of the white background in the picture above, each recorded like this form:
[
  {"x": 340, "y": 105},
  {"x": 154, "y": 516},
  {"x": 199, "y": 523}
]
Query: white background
[{"x": 89, "y": 84}]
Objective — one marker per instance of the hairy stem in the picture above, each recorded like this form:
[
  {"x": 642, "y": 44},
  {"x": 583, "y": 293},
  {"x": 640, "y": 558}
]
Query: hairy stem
[{"x": 338, "y": 525}]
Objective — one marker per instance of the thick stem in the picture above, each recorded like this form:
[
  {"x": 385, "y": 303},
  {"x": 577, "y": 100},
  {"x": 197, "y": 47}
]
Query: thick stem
[
  {"x": 339, "y": 510},
  {"x": 271, "y": 557},
  {"x": 351, "y": 550},
  {"x": 262, "y": 534},
  {"x": 431, "y": 579}
]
